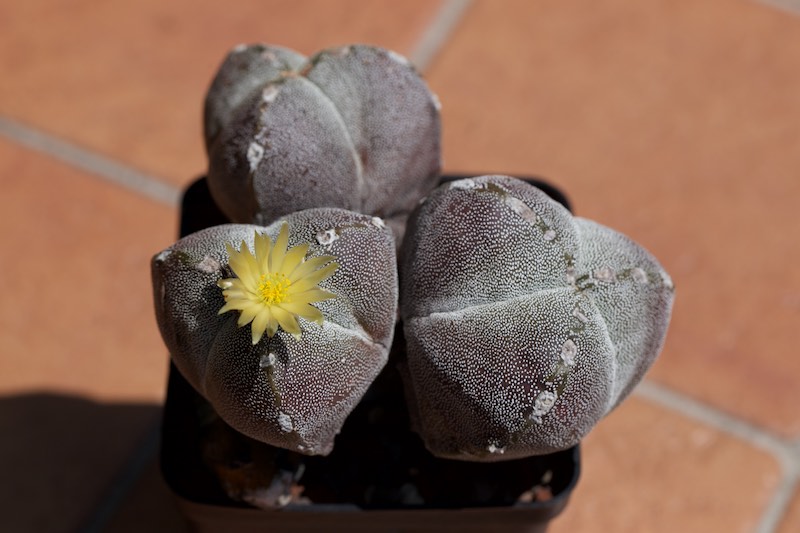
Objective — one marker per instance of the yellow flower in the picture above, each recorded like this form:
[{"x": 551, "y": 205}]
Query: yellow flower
[{"x": 276, "y": 285}]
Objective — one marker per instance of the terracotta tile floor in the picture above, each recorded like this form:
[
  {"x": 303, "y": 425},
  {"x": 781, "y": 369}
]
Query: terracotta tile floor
[{"x": 677, "y": 123}]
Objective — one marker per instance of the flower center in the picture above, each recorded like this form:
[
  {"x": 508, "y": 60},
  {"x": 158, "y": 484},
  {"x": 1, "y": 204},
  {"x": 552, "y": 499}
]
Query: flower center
[{"x": 274, "y": 288}]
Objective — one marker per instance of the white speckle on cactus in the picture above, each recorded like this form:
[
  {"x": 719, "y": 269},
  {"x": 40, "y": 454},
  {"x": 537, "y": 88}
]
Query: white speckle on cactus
[
  {"x": 341, "y": 51},
  {"x": 527, "y": 214},
  {"x": 285, "y": 422},
  {"x": 239, "y": 48},
  {"x": 437, "y": 104},
  {"x": 270, "y": 93},
  {"x": 397, "y": 58},
  {"x": 494, "y": 448},
  {"x": 327, "y": 237},
  {"x": 571, "y": 275},
  {"x": 639, "y": 276},
  {"x": 163, "y": 255},
  {"x": 378, "y": 222},
  {"x": 208, "y": 265},
  {"x": 269, "y": 56},
  {"x": 255, "y": 152},
  {"x": 465, "y": 184},
  {"x": 667, "y": 281},
  {"x": 308, "y": 450},
  {"x": 579, "y": 314},
  {"x": 568, "y": 352},
  {"x": 605, "y": 274},
  {"x": 267, "y": 360},
  {"x": 542, "y": 405},
  {"x": 549, "y": 235},
  {"x": 261, "y": 137}
]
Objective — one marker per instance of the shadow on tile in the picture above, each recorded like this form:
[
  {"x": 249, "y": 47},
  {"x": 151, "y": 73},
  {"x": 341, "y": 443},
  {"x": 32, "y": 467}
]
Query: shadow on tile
[{"x": 61, "y": 457}]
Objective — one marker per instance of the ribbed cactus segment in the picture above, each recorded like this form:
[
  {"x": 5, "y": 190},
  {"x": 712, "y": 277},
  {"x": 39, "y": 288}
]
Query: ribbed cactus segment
[
  {"x": 246, "y": 69},
  {"x": 352, "y": 127},
  {"x": 286, "y": 391},
  {"x": 525, "y": 325}
]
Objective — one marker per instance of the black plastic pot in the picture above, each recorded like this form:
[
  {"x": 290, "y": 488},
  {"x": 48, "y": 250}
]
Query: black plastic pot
[{"x": 378, "y": 475}]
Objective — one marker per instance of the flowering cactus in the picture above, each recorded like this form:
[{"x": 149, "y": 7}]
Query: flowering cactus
[
  {"x": 281, "y": 328},
  {"x": 352, "y": 127},
  {"x": 524, "y": 325}
]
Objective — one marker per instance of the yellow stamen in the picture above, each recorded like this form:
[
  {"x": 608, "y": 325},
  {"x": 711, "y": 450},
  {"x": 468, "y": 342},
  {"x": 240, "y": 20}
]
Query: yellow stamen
[
  {"x": 274, "y": 285},
  {"x": 274, "y": 288}
]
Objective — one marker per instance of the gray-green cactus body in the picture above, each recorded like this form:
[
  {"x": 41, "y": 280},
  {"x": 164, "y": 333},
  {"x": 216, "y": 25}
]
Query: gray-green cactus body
[
  {"x": 352, "y": 127},
  {"x": 525, "y": 325},
  {"x": 290, "y": 392}
]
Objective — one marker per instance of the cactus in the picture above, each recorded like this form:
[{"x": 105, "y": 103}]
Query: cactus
[
  {"x": 524, "y": 325},
  {"x": 352, "y": 127},
  {"x": 233, "y": 304}
]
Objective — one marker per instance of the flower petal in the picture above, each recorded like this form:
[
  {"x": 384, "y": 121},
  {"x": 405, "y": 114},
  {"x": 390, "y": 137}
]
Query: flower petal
[
  {"x": 244, "y": 266},
  {"x": 307, "y": 267},
  {"x": 263, "y": 246},
  {"x": 272, "y": 326},
  {"x": 311, "y": 295},
  {"x": 235, "y": 303},
  {"x": 260, "y": 324},
  {"x": 304, "y": 310},
  {"x": 294, "y": 277},
  {"x": 248, "y": 314},
  {"x": 235, "y": 295},
  {"x": 227, "y": 307},
  {"x": 287, "y": 320},
  {"x": 279, "y": 249},
  {"x": 294, "y": 257},
  {"x": 311, "y": 280}
]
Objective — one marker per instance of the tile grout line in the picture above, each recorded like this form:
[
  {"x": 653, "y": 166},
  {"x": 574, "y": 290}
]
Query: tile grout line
[
  {"x": 791, "y": 7},
  {"x": 91, "y": 162},
  {"x": 437, "y": 33},
  {"x": 786, "y": 452},
  {"x": 778, "y": 506},
  {"x": 676, "y": 401}
]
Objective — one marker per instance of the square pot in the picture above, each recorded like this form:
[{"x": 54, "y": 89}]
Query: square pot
[{"x": 379, "y": 477}]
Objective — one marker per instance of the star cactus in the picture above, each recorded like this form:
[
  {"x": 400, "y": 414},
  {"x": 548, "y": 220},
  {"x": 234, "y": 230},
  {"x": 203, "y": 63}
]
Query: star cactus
[
  {"x": 293, "y": 387},
  {"x": 525, "y": 325},
  {"x": 352, "y": 127}
]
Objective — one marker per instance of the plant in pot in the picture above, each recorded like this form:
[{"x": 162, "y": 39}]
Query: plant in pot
[{"x": 355, "y": 337}]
